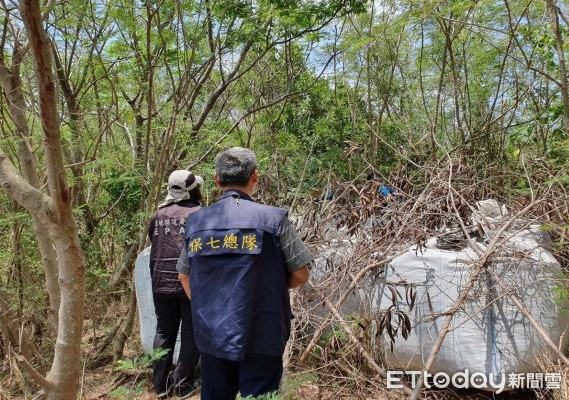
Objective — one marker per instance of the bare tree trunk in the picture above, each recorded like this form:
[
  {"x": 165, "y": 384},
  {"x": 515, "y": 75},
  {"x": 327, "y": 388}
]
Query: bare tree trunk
[
  {"x": 56, "y": 212},
  {"x": 438, "y": 105},
  {"x": 64, "y": 373},
  {"x": 75, "y": 148},
  {"x": 51, "y": 270},
  {"x": 10, "y": 81},
  {"x": 126, "y": 326},
  {"x": 563, "y": 85},
  {"x": 125, "y": 265}
]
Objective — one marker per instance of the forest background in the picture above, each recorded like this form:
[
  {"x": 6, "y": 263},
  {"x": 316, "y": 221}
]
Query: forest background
[{"x": 101, "y": 100}]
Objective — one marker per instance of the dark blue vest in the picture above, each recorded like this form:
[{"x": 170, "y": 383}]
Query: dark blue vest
[{"x": 240, "y": 301}]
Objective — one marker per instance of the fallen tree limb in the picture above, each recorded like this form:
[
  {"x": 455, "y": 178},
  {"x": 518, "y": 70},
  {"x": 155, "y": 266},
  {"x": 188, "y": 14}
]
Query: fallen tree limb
[
  {"x": 359, "y": 276},
  {"x": 446, "y": 327},
  {"x": 125, "y": 265},
  {"x": 339, "y": 303},
  {"x": 15, "y": 369},
  {"x": 126, "y": 326},
  {"x": 36, "y": 376}
]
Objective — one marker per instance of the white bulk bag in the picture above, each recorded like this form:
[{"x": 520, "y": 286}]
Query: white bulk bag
[
  {"x": 145, "y": 302},
  {"x": 489, "y": 335}
]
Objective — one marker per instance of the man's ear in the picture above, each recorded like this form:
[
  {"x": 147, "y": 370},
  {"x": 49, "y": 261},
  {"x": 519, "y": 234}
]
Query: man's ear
[
  {"x": 217, "y": 181},
  {"x": 255, "y": 176}
]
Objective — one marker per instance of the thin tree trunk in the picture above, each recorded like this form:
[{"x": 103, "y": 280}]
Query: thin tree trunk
[
  {"x": 563, "y": 85},
  {"x": 125, "y": 265},
  {"x": 438, "y": 106},
  {"x": 11, "y": 328},
  {"x": 126, "y": 326},
  {"x": 63, "y": 377},
  {"x": 10, "y": 81},
  {"x": 75, "y": 149},
  {"x": 17, "y": 263}
]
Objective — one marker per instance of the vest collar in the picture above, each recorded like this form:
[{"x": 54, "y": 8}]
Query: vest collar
[
  {"x": 236, "y": 193},
  {"x": 182, "y": 203}
]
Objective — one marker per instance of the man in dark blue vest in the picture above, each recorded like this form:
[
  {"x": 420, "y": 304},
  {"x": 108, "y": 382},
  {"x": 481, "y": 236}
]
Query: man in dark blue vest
[{"x": 241, "y": 258}]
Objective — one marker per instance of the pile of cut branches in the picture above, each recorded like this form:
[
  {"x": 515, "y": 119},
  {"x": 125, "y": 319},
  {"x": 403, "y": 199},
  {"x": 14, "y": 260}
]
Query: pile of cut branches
[{"x": 341, "y": 348}]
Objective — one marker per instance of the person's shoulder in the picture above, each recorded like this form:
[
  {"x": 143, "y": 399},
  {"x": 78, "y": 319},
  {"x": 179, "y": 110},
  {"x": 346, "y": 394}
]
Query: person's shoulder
[
  {"x": 196, "y": 210},
  {"x": 272, "y": 209},
  {"x": 154, "y": 215},
  {"x": 202, "y": 211}
]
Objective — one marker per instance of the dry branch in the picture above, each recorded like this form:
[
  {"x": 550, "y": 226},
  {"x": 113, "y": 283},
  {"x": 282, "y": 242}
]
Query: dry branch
[
  {"x": 354, "y": 340},
  {"x": 443, "y": 204},
  {"x": 512, "y": 295},
  {"x": 34, "y": 373},
  {"x": 478, "y": 266}
]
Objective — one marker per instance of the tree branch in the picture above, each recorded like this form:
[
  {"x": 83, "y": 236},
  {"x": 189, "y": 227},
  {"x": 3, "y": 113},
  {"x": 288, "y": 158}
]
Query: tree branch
[
  {"x": 34, "y": 373},
  {"x": 40, "y": 49},
  {"x": 529, "y": 317},
  {"x": 21, "y": 191},
  {"x": 220, "y": 89}
]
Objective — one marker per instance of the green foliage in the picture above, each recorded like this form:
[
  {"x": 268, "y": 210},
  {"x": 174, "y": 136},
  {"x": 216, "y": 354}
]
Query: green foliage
[
  {"x": 336, "y": 334},
  {"x": 141, "y": 362},
  {"x": 267, "y": 396},
  {"x": 562, "y": 298},
  {"x": 124, "y": 188}
]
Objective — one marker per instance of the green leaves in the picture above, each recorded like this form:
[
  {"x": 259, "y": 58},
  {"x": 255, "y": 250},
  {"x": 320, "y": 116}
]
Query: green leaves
[
  {"x": 124, "y": 188},
  {"x": 141, "y": 362}
]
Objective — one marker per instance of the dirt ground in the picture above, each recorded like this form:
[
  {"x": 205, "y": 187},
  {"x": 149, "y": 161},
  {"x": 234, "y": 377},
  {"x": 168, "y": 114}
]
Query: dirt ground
[
  {"x": 101, "y": 390},
  {"x": 107, "y": 383},
  {"x": 314, "y": 392},
  {"x": 308, "y": 392}
]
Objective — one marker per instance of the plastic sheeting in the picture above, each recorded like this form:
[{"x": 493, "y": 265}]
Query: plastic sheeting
[{"x": 145, "y": 303}]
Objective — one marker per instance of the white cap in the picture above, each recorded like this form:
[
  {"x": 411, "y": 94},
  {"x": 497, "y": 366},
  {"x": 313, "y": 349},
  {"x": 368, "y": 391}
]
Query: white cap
[
  {"x": 180, "y": 180},
  {"x": 180, "y": 183}
]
